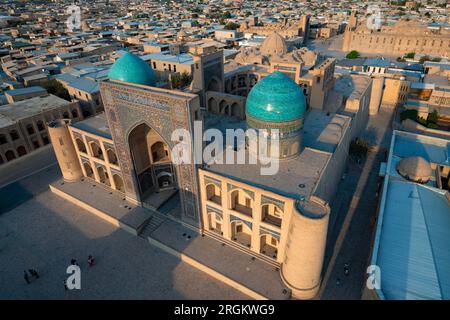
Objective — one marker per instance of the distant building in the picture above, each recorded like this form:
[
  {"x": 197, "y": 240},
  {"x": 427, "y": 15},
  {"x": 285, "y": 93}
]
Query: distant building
[
  {"x": 287, "y": 29},
  {"x": 23, "y": 124},
  {"x": 402, "y": 38},
  {"x": 25, "y": 93}
]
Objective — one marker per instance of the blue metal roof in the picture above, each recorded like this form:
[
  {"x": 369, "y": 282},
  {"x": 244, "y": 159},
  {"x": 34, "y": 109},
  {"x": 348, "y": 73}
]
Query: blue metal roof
[
  {"x": 377, "y": 63},
  {"x": 413, "y": 256},
  {"x": 276, "y": 98},
  {"x": 85, "y": 85},
  {"x": 413, "y": 232},
  {"x": 131, "y": 68},
  {"x": 433, "y": 150},
  {"x": 27, "y": 90},
  {"x": 182, "y": 58}
]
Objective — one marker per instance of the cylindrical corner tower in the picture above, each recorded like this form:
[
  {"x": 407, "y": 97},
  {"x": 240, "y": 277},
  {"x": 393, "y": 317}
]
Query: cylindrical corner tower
[
  {"x": 305, "y": 249},
  {"x": 66, "y": 155}
]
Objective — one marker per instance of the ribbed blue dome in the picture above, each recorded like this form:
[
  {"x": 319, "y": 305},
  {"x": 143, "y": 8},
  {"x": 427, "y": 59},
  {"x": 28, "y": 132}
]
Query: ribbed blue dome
[
  {"x": 131, "y": 68},
  {"x": 276, "y": 98}
]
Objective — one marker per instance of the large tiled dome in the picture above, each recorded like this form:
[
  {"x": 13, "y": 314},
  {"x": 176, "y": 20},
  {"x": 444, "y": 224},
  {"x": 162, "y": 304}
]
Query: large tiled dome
[
  {"x": 131, "y": 68},
  {"x": 276, "y": 98}
]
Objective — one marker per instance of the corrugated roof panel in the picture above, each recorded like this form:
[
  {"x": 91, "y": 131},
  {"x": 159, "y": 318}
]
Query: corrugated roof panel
[{"x": 414, "y": 256}]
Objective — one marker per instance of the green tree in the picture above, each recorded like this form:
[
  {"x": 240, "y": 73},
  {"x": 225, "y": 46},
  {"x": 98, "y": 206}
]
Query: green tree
[
  {"x": 226, "y": 15},
  {"x": 180, "y": 80},
  {"x": 359, "y": 148},
  {"x": 56, "y": 88},
  {"x": 231, "y": 26},
  {"x": 186, "y": 79},
  {"x": 353, "y": 54},
  {"x": 433, "y": 117},
  {"x": 424, "y": 58},
  {"x": 410, "y": 55},
  {"x": 409, "y": 114},
  {"x": 175, "y": 79}
]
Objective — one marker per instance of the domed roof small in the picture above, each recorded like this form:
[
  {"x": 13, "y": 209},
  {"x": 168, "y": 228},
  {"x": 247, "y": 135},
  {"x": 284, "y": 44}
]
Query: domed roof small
[
  {"x": 415, "y": 169},
  {"x": 274, "y": 45},
  {"x": 131, "y": 68},
  {"x": 276, "y": 98}
]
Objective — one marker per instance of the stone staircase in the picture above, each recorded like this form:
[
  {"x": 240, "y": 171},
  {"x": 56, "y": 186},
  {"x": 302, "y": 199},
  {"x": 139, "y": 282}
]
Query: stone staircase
[
  {"x": 152, "y": 224},
  {"x": 241, "y": 248}
]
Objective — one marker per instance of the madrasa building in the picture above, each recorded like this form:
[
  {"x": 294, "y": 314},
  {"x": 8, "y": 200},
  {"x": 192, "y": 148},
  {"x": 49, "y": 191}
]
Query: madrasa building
[{"x": 280, "y": 219}]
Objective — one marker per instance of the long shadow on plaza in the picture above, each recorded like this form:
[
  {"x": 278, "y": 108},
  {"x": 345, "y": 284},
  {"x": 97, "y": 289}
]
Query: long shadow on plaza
[
  {"x": 126, "y": 266},
  {"x": 17, "y": 193}
]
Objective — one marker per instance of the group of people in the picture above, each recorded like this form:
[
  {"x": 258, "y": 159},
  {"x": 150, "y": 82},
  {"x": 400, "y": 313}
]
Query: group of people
[
  {"x": 32, "y": 273},
  {"x": 90, "y": 261},
  {"x": 346, "y": 272},
  {"x": 73, "y": 262}
]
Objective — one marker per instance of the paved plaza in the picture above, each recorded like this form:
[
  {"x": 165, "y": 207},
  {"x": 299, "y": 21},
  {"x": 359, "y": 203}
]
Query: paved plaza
[{"x": 42, "y": 231}]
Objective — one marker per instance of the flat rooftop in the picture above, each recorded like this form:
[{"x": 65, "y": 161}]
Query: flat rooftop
[
  {"x": 11, "y": 113},
  {"x": 352, "y": 86},
  {"x": 324, "y": 132},
  {"x": 97, "y": 125},
  {"x": 297, "y": 177},
  {"x": 27, "y": 90}
]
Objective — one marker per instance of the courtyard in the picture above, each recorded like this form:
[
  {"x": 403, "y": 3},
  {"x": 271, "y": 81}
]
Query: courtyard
[{"x": 42, "y": 231}]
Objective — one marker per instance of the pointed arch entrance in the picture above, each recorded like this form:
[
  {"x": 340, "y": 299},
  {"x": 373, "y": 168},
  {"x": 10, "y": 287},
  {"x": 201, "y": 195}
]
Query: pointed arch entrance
[{"x": 151, "y": 161}]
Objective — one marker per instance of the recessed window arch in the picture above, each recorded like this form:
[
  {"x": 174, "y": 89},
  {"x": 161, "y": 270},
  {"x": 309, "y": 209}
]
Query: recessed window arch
[
  {"x": 14, "y": 135},
  {"x": 40, "y": 125},
  {"x": 80, "y": 145},
  {"x": 118, "y": 181},
  {"x": 30, "y": 129},
  {"x": 74, "y": 113},
  {"x": 88, "y": 170},
  {"x": 213, "y": 193},
  {"x": 112, "y": 157},
  {"x": 9, "y": 155},
  {"x": 21, "y": 151},
  {"x": 3, "y": 139}
]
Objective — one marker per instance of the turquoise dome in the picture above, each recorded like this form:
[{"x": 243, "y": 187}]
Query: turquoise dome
[
  {"x": 276, "y": 98},
  {"x": 131, "y": 68}
]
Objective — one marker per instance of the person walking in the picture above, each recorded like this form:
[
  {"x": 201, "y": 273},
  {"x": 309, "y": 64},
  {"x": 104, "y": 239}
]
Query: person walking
[
  {"x": 25, "y": 276},
  {"x": 65, "y": 285},
  {"x": 74, "y": 262},
  {"x": 33, "y": 273},
  {"x": 346, "y": 269},
  {"x": 91, "y": 261}
]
